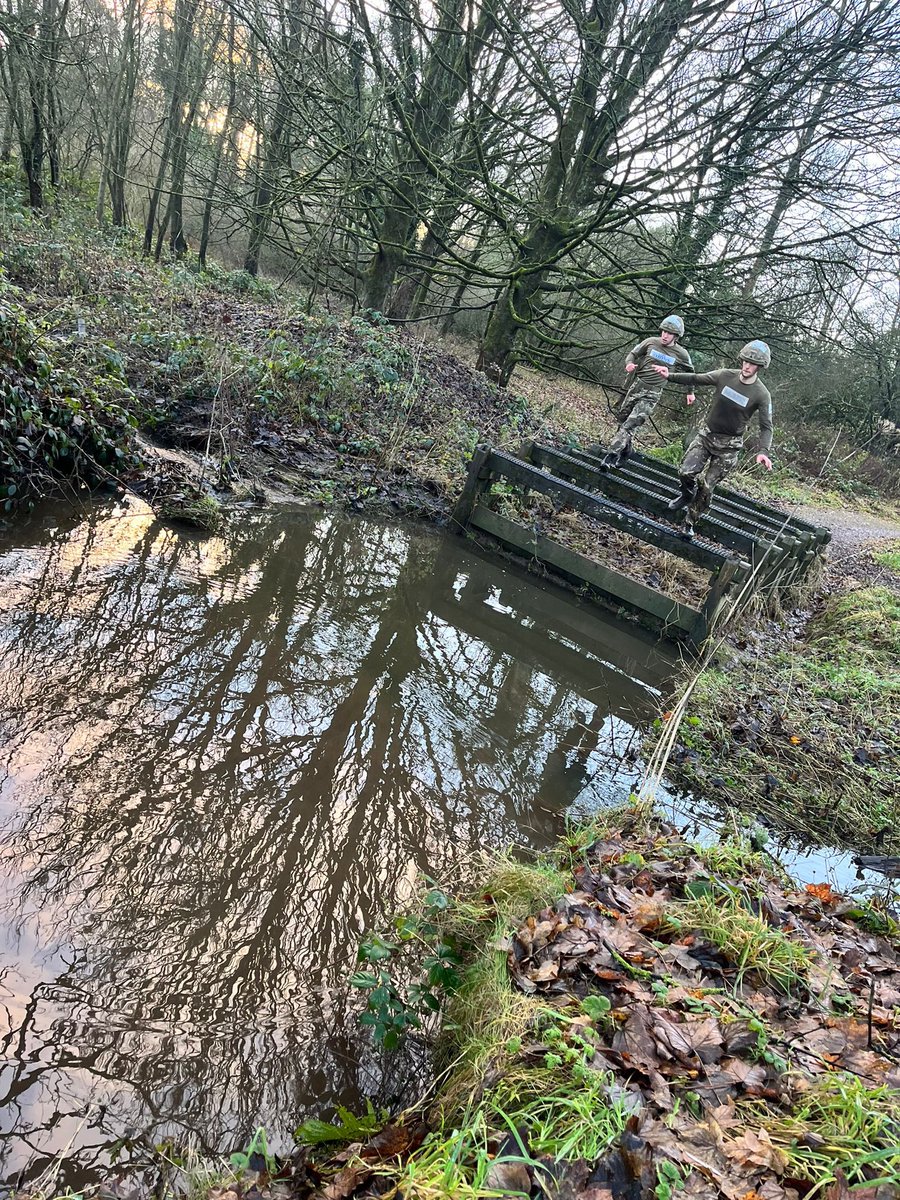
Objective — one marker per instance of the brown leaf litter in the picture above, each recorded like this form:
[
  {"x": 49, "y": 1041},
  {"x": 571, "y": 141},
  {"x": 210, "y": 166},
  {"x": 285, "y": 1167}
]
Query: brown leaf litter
[{"x": 721, "y": 1061}]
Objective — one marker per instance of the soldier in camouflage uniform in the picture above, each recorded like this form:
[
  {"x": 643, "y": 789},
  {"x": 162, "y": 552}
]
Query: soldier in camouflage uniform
[
  {"x": 739, "y": 394},
  {"x": 645, "y": 364}
]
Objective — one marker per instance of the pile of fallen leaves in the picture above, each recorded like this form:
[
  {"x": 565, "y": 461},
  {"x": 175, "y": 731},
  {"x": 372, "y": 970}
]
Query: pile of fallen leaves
[
  {"x": 720, "y": 1056},
  {"x": 747, "y": 1030}
]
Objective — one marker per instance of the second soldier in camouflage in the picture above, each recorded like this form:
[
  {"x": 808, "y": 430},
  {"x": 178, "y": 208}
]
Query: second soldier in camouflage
[{"x": 644, "y": 365}]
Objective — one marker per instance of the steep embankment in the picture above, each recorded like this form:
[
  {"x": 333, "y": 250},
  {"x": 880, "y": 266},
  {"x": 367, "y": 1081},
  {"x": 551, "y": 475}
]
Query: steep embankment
[{"x": 274, "y": 397}]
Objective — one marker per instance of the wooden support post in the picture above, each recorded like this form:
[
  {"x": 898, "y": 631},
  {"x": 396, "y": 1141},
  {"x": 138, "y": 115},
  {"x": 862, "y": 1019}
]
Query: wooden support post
[
  {"x": 793, "y": 569},
  {"x": 731, "y": 572},
  {"x": 476, "y": 482}
]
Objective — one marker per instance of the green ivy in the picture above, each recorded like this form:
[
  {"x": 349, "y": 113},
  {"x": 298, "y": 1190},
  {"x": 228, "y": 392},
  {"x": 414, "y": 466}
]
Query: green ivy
[
  {"x": 56, "y": 424},
  {"x": 391, "y": 1009}
]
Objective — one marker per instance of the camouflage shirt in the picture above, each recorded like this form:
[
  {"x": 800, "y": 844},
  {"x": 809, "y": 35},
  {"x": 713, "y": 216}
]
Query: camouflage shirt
[
  {"x": 734, "y": 403},
  {"x": 652, "y": 353}
]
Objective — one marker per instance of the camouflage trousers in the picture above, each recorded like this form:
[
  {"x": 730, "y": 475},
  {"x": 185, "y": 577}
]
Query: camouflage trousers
[
  {"x": 715, "y": 453},
  {"x": 635, "y": 409}
]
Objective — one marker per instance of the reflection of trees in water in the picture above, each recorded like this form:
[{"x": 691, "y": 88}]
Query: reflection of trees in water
[{"x": 224, "y": 767}]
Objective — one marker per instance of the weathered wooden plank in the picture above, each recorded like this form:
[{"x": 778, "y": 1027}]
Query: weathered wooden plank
[
  {"x": 606, "y": 511},
  {"x": 629, "y": 593},
  {"x": 743, "y": 535},
  {"x": 726, "y": 493},
  {"x": 477, "y": 480},
  {"x": 726, "y": 502}
]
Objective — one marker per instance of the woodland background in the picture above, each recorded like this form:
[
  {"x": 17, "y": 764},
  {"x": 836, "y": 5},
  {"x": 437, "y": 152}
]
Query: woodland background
[{"x": 545, "y": 178}]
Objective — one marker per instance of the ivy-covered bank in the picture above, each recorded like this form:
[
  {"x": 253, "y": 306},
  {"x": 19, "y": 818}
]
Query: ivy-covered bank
[{"x": 65, "y": 419}]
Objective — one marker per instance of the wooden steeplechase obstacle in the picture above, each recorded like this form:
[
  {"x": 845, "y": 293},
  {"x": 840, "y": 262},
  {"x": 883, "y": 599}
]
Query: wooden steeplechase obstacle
[{"x": 738, "y": 539}]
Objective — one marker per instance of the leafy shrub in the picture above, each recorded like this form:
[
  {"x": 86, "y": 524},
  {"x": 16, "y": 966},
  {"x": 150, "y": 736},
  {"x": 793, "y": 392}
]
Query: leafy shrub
[{"x": 53, "y": 427}]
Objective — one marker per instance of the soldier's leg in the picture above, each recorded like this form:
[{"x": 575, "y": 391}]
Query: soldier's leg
[
  {"x": 722, "y": 461},
  {"x": 641, "y": 411},
  {"x": 626, "y": 404},
  {"x": 695, "y": 459},
  {"x": 721, "y": 464}
]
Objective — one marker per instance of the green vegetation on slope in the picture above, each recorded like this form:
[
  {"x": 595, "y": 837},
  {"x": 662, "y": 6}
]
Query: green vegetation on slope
[
  {"x": 341, "y": 409},
  {"x": 808, "y": 733},
  {"x": 63, "y": 419}
]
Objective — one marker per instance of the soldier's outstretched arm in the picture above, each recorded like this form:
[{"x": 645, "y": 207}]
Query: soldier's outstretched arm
[{"x": 766, "y": 429}]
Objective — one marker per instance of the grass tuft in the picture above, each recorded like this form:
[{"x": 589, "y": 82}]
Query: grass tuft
[
  {"x": 198, "y": 511},
  {"x": 889, "y": 557},
  {"x": 840, "y": 1123},
  {"x": 747, "y": 941}
]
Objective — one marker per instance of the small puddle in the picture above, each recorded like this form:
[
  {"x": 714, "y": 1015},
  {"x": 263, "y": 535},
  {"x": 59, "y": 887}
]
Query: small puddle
[{"x": 223, "y": 760}]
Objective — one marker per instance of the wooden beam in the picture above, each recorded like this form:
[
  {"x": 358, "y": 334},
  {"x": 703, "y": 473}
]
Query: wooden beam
[
  {"x": 476, "y": 481},
  {"x": 605, "y": 511},
  {"x": 743, "y": 535},
  {"x": 729, "y": 574},
  {"x": 726, "y": 502},
  {"x": 617, "y": 590}
]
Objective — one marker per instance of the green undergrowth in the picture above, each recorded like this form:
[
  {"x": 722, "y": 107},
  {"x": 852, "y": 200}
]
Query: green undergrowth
[
  {"x": 217, "y": 358},
  {"x": 64, "y": 419},
  {"x": 889, "y": 556},
  {"x": 808, "y": 735}
]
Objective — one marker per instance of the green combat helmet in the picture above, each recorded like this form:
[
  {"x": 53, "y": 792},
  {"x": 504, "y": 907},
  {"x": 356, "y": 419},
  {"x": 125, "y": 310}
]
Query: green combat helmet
[
  {"x": 673, "y": 324},
  {"x": 756, "y": 352}
]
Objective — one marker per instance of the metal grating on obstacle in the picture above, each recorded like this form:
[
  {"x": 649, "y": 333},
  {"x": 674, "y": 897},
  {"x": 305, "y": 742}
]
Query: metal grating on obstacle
[{"x": 746, "y": 545}]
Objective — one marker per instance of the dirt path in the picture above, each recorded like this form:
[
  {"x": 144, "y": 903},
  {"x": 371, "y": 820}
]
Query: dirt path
[{"x": 854, "y": 535}]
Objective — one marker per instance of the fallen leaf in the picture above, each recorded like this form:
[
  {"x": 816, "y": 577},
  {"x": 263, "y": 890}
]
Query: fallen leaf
[
  {"x": 823, "y": 892},
  {"x": 345, "y": 1183},
  {"x": 754, "y": 1148},
  {"x": 508, "y": 1178}
]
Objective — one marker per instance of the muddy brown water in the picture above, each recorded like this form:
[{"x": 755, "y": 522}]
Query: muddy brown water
[{"x": 223, "y": 760}]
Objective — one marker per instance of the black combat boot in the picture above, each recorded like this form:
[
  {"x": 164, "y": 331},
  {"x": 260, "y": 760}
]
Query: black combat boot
[{"x": 688, "y": 492}]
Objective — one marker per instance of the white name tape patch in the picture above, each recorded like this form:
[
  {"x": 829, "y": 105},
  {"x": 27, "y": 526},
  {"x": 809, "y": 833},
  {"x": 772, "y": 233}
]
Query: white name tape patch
[
  {"x": 737, "y": 397},
  {"x": 668, "y": 359}
]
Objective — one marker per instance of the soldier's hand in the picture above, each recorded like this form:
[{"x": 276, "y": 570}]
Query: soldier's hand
[
  {"x": 664, "y": 371},
  {"x": 766, "y": 462},
  {"x": 690, "y": 397},
  {"x": 630, "y": 368}
]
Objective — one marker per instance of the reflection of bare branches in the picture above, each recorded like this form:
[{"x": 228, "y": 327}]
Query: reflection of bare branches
[{"x": 225, "y": 760}]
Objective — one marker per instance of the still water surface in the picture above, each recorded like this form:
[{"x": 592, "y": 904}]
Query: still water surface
[{"x": 222, "y": 760}]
